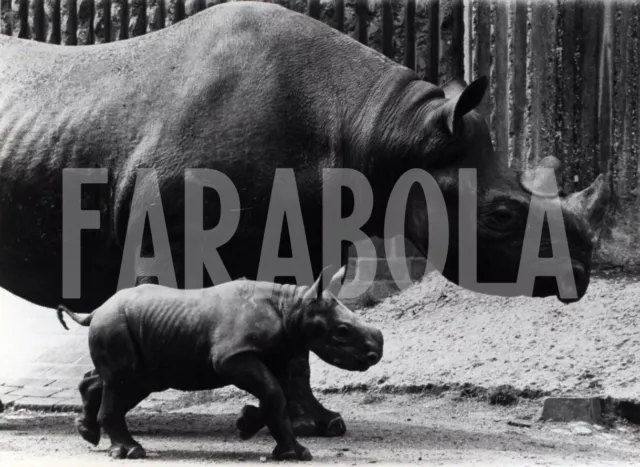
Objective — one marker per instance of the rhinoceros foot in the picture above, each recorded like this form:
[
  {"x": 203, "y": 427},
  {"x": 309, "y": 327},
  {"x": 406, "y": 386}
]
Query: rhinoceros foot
[
  {"x": 119, "y": 451},
  {"x": 282, "y": 453},
  {"x": 250, "y": 421},
  {"x": 89, "y": 432},
  {"x": 335, "y": 427}
]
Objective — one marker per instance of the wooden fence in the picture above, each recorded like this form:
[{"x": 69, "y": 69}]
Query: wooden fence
[{"x": 565, "y": 77}]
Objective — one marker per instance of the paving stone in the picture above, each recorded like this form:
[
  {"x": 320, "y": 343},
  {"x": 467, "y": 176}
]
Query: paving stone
[
  {"x": 65, "y": 383},
  {"x": 9, "y": 399},
  {"x": 29, "y": 382},
  {"x": 35, "y": 392},
  {"x": 34, "y": 403},
  {"x": 65, "y": 394},
  {"x": 68, "y": 405},
  {"x": 571, "y": 409},
  {"x": 67, "y": 371},
  {"x": 7, "y": 389},
  {"x": 85, "y": 359},
  {"x": 62, "y": 354}
]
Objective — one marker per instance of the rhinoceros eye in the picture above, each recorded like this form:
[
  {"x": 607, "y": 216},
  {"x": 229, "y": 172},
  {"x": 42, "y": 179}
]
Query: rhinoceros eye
[
  {"x": 342, "y": 332},
  {"x": 500, "y": 219}
]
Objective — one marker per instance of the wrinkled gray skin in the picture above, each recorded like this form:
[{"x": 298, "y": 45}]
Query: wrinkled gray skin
[
  {"x": 151, "y": 338},
  {"x": 246, "y": 88}
]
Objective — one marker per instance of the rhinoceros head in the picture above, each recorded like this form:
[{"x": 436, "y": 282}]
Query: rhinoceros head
[
  {"x": 504, "y": 197},
  {"x": 333, "y": 332}
]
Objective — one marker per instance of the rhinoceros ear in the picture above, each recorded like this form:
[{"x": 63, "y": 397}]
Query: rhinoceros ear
[
  {"x": 315, "y": 291},
  {"x": 462, "y": 102},
  {"x": 336, "y": 281},
  {"x": 453, "y": 87}
]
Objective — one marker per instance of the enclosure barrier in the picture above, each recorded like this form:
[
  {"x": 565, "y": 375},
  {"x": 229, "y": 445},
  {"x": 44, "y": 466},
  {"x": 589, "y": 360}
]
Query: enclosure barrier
[{"x": 564, "y": 74}]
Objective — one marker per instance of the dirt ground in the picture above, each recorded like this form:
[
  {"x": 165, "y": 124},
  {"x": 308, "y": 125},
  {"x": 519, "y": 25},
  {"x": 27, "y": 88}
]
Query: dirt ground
[
  {"x": 436, "y": 334},
  {"x": 408, "y": 429}
]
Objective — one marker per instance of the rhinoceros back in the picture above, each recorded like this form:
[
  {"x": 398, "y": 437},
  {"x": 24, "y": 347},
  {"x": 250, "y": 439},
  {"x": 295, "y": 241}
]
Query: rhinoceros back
[{"x": 242, "y": 88}]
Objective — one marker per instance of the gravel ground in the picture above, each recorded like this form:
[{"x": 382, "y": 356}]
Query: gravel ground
[{"x": 409, "y": 429}]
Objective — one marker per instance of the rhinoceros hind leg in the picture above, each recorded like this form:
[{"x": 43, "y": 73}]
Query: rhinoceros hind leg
[
  {"x": 114, "y": 407},
  {"x": 91, "y": 391},
  {"x": 250, "y": 422},
  {"x": 284, "y": 454}
]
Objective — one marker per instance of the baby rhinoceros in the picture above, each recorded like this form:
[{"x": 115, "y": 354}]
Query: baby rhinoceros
[{"x": 244, "y": 333}]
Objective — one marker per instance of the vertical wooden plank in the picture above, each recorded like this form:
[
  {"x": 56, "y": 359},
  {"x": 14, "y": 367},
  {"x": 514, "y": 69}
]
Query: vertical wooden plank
[
  {"x": 157, "y": 15},
  {"x": 433, "y": 43},
  {"x": 179, "y": 11},
  {"x": 102, "y": 21},
  {"x": 467, "y": 42},
  {"x": 39, "y": 23},
  {"x": 626, "y": 88},
  {"x": 410, "y": 34},
  {"x": 124, "y": 20},
  {"x": 313, "y": 8},
  {"x": 86, "y": 15},
  {"x": 55, "y": 32},
  {"x": 386, "y": 20},
  {"x": 7, "y": 17},
  {"x": 387, "y": 28},
  {"x": 107, "y": 23},
  {"x": 362, "y": 18},
  {"x": 542, "y": 76},
  {"x": 23, "y": 15},
  {"x": 592, "y": 13},
  {"x": 451, "y": 62},
  {"x": 457, "y": 41},
  {"x": 71, "y": 23},
  {"x": 195, "y": 6},
  {"x": 566, "y": 91},
  {"x": 482, "y": 49},
  {"x": 339, "y": 15},
  {"x": 518, "y": 82},
  {"x": 499, "y": 75},
  {"x": 138, "y": 22},
  {"x": 605, "y": 93}
]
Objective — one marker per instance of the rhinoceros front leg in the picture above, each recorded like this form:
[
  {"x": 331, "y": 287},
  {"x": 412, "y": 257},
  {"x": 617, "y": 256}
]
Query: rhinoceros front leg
[{"x": 307, "y": 414}]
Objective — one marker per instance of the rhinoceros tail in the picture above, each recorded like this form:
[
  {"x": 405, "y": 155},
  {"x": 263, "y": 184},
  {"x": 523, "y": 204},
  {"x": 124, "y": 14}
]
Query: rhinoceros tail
[{"x": 84, "y": 321}]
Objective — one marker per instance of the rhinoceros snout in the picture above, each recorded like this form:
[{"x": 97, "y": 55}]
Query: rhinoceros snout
[{"x": 372, "y": 358}]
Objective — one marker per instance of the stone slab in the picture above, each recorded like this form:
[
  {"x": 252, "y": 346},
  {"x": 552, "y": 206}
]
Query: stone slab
[
  {"x": 572, "y": 409},
  {"x": 37, "y": 392}
]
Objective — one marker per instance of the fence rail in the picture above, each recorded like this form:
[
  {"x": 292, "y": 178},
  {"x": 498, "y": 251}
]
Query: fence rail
[{"x": 564, "y": 74}]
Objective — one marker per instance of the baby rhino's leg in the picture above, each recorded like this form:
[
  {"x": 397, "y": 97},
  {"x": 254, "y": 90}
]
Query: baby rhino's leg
[
  {"x": 116, "y": 402},
  {"x": 123, "y": 385},
  {"x": 250, "y": 374},
  {"x": 91, "y": 392}
]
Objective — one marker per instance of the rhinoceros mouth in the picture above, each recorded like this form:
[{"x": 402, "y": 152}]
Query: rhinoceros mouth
[{"x": 351, "y": 363}]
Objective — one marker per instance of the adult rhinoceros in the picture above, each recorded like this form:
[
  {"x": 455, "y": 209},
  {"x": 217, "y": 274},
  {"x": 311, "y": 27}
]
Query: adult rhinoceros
[{"x": 245, "y": 88}]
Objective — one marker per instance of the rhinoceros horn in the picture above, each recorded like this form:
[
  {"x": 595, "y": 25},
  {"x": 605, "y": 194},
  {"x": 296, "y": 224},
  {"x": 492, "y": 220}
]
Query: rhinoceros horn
[
  {"x": 589, "y": 204},
  {"x": 542, "y": 181}
]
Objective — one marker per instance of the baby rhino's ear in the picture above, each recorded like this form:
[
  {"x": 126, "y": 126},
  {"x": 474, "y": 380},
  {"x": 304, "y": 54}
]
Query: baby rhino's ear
[
  {"x": 336, "y": 281},
  {"x": 317, "y": 289}
]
